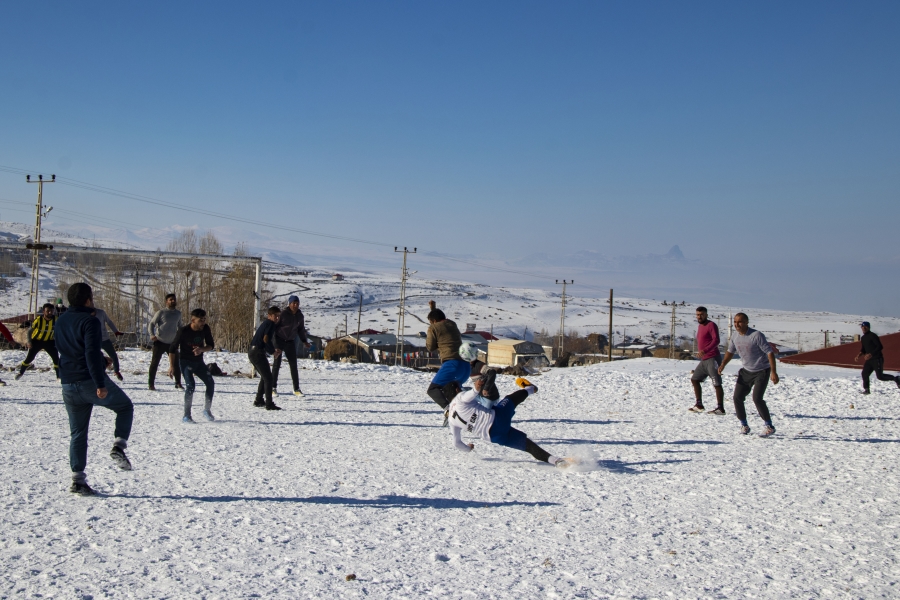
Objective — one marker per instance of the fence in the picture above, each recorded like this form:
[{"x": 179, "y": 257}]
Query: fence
[{"x": 130, "y": 285}]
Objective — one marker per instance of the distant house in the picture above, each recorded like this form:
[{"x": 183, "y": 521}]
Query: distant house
[
  {"x": 508, "y": 353},
  {"x": 337, "y": 277},
  {"x": 382, "y": 347},
  {"x": 632, "y": 350}
]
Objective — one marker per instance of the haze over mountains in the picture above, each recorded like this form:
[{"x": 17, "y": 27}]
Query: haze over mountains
[{"x": 785, "y": 284}]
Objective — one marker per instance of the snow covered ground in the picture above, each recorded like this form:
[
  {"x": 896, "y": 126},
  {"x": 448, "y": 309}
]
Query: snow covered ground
[{"x": 359, "y": 478}]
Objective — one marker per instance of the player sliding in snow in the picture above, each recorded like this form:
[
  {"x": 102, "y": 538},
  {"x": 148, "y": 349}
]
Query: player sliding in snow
[{"x": 494, "y": 425}]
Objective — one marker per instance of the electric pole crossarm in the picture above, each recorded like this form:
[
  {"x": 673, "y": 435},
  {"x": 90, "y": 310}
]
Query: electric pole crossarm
[
  {"x": 40, "y": 213},
  {"x": 562, "y": 314},
  {"x": 401, "y": 322}
]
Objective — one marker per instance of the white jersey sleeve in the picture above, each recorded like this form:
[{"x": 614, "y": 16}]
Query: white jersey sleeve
[{"x": 466, "y": 414}]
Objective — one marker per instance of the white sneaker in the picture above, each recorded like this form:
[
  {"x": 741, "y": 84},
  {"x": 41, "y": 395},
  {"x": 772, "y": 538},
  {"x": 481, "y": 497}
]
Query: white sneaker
[
  {"x": 274, "y": 392},
  {"x": 208, "y": 415},
  {"x": 564, "y": 463},
  {"x": 298, "y": 393}
]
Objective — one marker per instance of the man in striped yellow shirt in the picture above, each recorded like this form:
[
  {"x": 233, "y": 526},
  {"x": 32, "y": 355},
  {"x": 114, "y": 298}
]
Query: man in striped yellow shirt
[{"x": 41, "y": 338}]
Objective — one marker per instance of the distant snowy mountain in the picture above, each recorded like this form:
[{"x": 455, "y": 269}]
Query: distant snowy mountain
[{"x": 591, "y": 260}]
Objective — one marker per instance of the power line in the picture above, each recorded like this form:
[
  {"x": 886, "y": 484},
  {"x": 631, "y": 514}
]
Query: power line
[{"x": 167, "y": 204}]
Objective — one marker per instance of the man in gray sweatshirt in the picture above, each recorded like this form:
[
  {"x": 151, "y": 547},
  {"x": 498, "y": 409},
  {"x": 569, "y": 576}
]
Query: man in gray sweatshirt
[{"x": 163, "y": 328}]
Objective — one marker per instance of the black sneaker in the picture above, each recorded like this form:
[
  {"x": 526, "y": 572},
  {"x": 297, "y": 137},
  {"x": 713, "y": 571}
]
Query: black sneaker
[
  {"x": 118, "y": 456},
  {"x": 259, "y": 403},
  {"x": 118, "y": 376},
  {"x": 272, "y": 406},
  {"x": 865, "y": 392},
  {"x": 897, "y": 381},
  {"x": 151, "y": 387},
  {"x": 82, "y": 489}
]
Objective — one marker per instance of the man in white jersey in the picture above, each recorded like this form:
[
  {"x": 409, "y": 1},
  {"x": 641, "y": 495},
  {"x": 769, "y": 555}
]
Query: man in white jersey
[{"x": 494, "y": 425}]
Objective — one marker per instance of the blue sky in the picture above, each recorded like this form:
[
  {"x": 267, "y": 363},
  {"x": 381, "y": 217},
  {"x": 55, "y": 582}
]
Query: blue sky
[{"x": 761, "y": 138}]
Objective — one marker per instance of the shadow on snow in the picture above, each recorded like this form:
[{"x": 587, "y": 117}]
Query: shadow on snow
[{"x": 386, "y": 501}]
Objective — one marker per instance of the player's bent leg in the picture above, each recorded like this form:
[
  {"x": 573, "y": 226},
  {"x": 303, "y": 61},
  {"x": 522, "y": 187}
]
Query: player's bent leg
[
  {"x": 79, "y": 411},
  {"x": 436, "y": 393}
]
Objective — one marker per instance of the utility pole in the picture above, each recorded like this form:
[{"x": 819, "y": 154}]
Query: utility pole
[
  {"x": 562, "y": 314},
  {"x": 401, "y": 323},
  {"x": 37, "y": 246},
  {"x": 137, "y": 305},
  {"x": 358, "y": 325},
  {"x": 672, "y": 334},
  {"x": 609, "y": 340}
]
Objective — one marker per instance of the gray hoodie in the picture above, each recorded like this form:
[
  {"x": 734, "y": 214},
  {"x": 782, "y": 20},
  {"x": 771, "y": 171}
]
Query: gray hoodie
[
  {"x": 104, "y": 321},
  {"x": 165, "y": 324}
]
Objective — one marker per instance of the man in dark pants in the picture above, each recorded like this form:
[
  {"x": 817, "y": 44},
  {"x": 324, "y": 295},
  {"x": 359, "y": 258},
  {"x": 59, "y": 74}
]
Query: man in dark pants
[
  {"x": 870, "y": 349},
  {"x": 759, "y": 367},
  {"x": 289, "y": 326},
  {"x": 82, "y": 371},
  {"x": 41, "y": 337},
  {"x": 260, "y": 347},
  {"x": 190, "y": 343},
  {"x": 163, "y": 327}
]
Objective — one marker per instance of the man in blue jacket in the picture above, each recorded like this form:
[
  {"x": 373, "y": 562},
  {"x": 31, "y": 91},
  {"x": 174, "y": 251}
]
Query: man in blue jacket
[{"x": 82, "y": 371}]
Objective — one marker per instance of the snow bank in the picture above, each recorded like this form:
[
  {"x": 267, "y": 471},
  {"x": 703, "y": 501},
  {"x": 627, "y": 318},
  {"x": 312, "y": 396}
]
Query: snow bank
[{"x": 359, "y": 478}]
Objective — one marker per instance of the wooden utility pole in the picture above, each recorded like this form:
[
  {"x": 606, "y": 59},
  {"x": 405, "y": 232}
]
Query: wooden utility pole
[
  {"x": 672, "y": 334},
  {"x": 401, "y": 323},
  {"x": 37, "y": 246},
  {"x": 358, "y": 325},
  {"x": 609, "y": 339},
  {"x": 562, "y": 314}
]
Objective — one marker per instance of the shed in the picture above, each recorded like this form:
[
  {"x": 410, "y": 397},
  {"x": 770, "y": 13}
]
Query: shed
[{"x": 508, "y": 353}]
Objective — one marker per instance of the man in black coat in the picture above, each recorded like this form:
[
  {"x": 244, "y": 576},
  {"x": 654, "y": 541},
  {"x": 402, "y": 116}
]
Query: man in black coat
[
  {"x": 82, "y": 372},
  {"x": 870, "y": 349},
  {"x": 288, "y": 328}
]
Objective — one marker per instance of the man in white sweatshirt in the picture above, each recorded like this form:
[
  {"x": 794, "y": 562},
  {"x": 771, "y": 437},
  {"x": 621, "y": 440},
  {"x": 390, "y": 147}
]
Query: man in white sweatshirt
[{"x": 467, "y": 413}]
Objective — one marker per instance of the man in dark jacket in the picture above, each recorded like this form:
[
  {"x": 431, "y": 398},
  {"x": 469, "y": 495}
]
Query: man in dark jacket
[
  {"x": 870, "y": 349},
  {"x": 288, "y": 328},
  {"x": 443, "y": 335},
  {"x": 260, "y": 347},
  {"x": 82, "y": 371}
]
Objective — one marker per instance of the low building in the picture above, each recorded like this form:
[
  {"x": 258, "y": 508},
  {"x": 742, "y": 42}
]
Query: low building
[
  {"x": 508, "y": 353},
  {"x": 337, "y": 277},
  {"x": 631, "y": 350}
]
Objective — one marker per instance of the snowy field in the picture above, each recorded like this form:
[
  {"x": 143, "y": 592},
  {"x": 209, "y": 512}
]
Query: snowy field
[{"x": 359, "y": 478}]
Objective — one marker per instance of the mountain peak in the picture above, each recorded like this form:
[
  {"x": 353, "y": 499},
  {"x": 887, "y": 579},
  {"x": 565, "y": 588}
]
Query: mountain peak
[{"x": 675, "y": 252}]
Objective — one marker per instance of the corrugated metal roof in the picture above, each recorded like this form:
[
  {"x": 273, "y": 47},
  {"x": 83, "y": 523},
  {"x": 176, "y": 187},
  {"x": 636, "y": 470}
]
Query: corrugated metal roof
[{"x": 842, "y": 356}]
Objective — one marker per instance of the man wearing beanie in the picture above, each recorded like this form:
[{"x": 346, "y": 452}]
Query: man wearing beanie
[
  {"x": 870, "y": 349},
  {"x": 82, "y": 371},
  {"x": 288, "y": 328}
]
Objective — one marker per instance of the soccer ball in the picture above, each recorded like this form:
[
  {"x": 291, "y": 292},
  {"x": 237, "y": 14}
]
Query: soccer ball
[{"x": 468, "y": 352}]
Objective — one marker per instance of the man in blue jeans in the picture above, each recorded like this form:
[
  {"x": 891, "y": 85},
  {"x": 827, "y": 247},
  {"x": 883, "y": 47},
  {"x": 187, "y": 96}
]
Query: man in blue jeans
[
  {"x": 192, "y": 341},
  {"x": 82, "y": 371}
]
